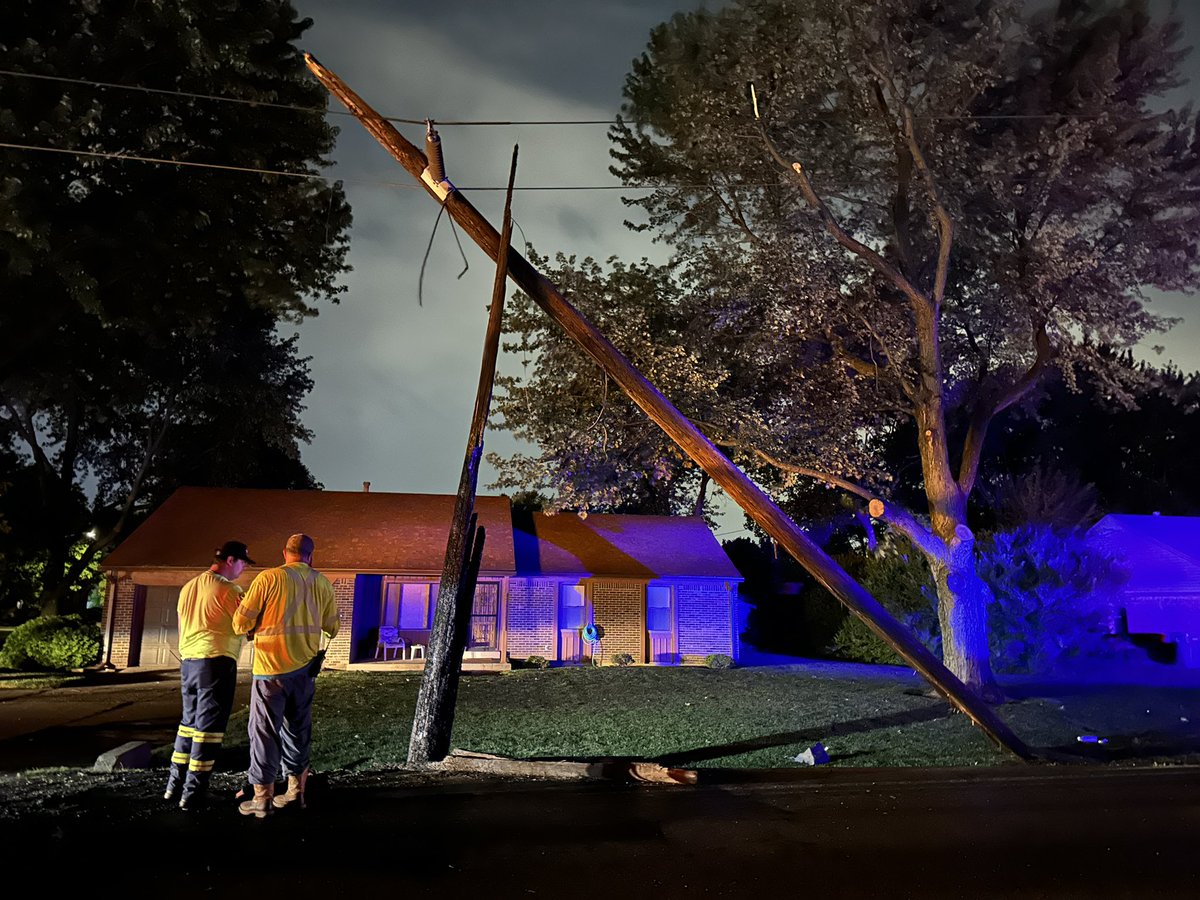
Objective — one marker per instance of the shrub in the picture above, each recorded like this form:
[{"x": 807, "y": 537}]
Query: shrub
[
  {"x": 52, "y": 642},
  {"x": 899, "y": 578},
  {"x": 1050, "y": 605},
  {"x": 718, "y": 661},
  {"x": 1047, "y": 608},
  {"x": 621, "y": 659},
  {"x": 536, "y": 662}
]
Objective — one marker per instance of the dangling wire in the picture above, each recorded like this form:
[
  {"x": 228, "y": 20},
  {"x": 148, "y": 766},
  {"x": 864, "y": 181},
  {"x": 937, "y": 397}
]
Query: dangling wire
[
  {"x": 466, "y": 265},
  {"x": 435, "y": 176},
  {"x": 425, "y": 259}
]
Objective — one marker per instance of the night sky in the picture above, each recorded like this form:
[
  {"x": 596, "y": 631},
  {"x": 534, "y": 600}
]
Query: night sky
[{"x": 395, "y": 380}]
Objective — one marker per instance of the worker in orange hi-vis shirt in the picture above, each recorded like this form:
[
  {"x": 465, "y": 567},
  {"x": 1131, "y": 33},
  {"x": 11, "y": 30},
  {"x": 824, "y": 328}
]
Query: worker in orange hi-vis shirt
[{"x": 287, "y": 609}]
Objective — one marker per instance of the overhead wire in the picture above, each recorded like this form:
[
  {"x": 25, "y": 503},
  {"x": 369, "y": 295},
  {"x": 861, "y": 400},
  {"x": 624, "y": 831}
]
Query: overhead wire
[
  {"x": 315, "y": 110},
  {"x": 131, "y": 157},
  {"x": 320, "y": 110}
]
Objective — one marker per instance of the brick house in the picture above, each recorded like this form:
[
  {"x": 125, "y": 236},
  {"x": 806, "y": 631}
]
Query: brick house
[
  {"x": 1160, "y": 598},
  {"x": 659, "y": 588}
]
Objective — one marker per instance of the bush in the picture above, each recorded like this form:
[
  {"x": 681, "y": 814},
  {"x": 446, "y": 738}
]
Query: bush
[
  {"x": 621, "y": 659},
  {"x": 899, "y": 578},
  {"x": 718, "y": 661},
  {"x": 52, "y": 642},
  {"x": 536, "y": 662},
  {"x": 1047, "y": 608},
  {"x": 1051, "y": 603}
]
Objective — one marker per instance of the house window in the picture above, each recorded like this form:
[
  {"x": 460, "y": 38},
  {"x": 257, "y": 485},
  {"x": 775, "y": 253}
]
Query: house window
[
  {"x": 414, "y": 605},
  {"x": 658, "y": 607},
  {"x": 406, "y": 604}
]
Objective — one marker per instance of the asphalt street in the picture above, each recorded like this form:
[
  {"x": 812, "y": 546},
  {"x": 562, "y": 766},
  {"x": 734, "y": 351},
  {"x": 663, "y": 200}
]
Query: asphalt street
[{"x": 822, "y": 833}]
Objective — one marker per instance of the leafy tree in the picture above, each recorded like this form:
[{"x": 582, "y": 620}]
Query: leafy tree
[
  {"x": 940, "y": 203},
  {"x": 146, "y": 297}
]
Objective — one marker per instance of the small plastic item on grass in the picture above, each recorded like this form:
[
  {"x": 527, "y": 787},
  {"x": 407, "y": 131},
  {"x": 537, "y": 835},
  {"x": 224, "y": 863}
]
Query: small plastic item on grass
[
  {"x": 1091, "y": 739},
  {"x": 813, "y": 756}
]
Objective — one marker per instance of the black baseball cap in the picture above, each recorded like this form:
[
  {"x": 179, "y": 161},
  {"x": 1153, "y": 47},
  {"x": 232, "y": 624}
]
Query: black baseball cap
[{"x": 236, "y": 549}]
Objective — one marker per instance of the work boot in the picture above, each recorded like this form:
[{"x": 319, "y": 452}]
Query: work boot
[
  {"x": 260, "y": 805},
  {"x": 175, "y": 782},
  {"x": 294, "y": 793},
  {"x": 193, "y": 800}
]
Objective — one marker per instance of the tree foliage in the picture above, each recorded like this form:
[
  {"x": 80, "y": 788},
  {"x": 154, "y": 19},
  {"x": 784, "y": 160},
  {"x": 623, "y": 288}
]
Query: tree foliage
[
  {"x": 938, "y": 203},
  {"x": 147, "y": 297}
]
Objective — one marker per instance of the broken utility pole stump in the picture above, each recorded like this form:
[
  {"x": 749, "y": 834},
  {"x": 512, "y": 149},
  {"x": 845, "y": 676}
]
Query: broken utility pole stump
[{"x": 565, "y": 769}]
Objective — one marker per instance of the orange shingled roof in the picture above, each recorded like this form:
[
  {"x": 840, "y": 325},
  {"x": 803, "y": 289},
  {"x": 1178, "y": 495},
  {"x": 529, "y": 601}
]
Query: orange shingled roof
[
  {"x": 354, "y": 531},
  {"x": 619, "y": 546}
]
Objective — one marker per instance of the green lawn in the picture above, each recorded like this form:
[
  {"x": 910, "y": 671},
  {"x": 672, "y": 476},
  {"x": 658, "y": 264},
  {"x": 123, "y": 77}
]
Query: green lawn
[
  {"x": 751, "y": 717},
  {"x": 14, "y": 680}
]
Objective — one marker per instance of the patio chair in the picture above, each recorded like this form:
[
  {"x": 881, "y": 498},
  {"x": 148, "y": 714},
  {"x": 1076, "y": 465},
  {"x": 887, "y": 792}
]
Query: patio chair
[{"x": 389, "y": 639}]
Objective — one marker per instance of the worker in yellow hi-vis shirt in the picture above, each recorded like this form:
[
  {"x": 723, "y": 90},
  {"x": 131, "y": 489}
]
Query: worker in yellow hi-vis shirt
[
  {"x": 287, "y": 609},
  {"x": 208, "y": 652}
]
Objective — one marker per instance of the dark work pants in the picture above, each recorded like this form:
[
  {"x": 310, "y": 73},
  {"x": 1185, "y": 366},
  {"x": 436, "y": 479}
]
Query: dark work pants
[
  {"x": 280, "y": 725},
  {"x": 207, "y": 686}
]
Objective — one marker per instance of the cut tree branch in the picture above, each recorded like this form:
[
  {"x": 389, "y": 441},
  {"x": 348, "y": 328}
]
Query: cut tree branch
[{"x": 896, "y": 516}]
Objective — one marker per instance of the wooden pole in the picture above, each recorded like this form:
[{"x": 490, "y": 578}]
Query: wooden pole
[
  {"x": 433, "y": 720},
  {"x": 732, "y": 480}
]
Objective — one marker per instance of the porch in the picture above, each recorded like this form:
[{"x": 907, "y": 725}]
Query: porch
[{"x": 473, "y": 665}]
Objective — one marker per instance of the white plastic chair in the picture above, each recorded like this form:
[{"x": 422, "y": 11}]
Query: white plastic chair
[{"x": 389, "y": 639}]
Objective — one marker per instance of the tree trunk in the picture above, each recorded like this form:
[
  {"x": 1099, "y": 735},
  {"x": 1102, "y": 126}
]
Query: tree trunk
[
  {"x": 963, "y": 599},
  {"x": 963, "y": 596}
]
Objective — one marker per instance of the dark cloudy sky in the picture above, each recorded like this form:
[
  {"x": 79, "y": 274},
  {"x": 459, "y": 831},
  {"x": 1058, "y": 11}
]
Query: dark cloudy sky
[{"x": 395, "y": 380}]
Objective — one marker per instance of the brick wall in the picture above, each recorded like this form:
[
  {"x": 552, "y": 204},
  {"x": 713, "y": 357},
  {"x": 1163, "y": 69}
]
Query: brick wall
[
  {"x": 338, "y": 655},
  {"x": 532, "y": 615},
  {"x": 620, "y": 608},
  {"x": 124, "y": 597},
  {"x": 704, "y": 614}
]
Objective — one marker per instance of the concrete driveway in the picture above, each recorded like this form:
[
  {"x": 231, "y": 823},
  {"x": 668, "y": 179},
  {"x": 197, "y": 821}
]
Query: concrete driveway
[{"x": 71, "y": 726}]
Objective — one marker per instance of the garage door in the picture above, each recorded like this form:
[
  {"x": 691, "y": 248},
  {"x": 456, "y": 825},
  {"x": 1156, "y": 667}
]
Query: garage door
[{"x": 160, "y": 632}]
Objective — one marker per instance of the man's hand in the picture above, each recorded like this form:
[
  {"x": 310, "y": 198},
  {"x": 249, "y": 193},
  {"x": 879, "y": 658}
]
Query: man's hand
[{"x": 314, "y": 667}]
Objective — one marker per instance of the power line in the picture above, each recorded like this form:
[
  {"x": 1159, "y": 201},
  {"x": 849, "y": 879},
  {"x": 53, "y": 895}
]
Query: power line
[
  {"x": 130, "y": 157},
  {"x": 224, "y": 167},
  {"x": 469, "y": 122},
  {"x": 152, "y": 159},
  {"x": 314, "y": 110}
]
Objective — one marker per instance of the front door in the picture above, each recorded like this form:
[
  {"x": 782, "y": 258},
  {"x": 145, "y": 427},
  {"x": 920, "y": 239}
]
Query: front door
[
  {"x": 485, "y": 617},
  {"x": 660, "y": 625},
  {"x": 574, "y": 612}
]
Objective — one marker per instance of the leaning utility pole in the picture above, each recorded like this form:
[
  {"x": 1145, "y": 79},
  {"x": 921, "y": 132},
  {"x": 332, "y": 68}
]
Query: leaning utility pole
[
  {"x": 433, "y": 721},
  {"x": 700, "y": 449}
]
